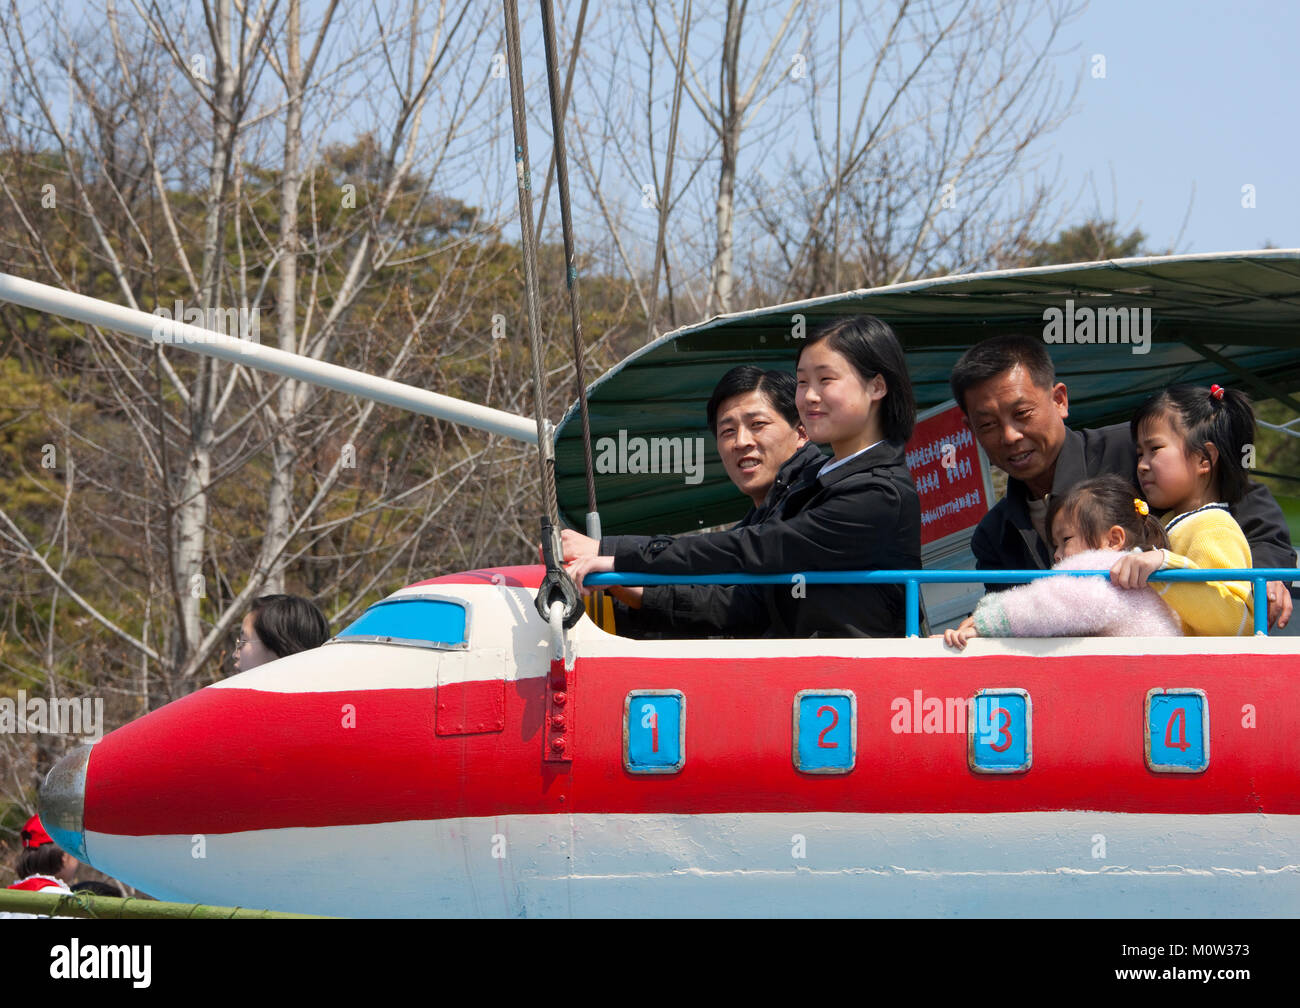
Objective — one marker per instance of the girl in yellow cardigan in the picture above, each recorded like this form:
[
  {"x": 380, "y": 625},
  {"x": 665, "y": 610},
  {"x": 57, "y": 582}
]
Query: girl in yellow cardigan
[{"x": 1189, "y": 442}]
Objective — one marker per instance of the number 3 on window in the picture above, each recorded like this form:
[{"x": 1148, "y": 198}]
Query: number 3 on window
[{"x": 1000, "y": 732}]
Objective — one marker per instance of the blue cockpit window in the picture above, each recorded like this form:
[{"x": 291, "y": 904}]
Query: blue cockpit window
[{"x": 414, "y": 620}]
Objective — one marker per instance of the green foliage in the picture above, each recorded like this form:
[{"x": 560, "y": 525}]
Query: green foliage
[
  {"x": 31, "y": 434},
  {"x": 1277, "y": 452},
  {"x": 1091, "y": 241}
]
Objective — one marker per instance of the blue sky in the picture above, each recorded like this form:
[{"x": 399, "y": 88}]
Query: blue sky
[{"x": 1197, "y": 101}]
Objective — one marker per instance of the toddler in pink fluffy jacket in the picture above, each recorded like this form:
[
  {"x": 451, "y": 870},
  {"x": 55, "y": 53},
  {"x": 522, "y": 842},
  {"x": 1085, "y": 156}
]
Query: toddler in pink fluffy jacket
[{"x": 1089, "y": 528}]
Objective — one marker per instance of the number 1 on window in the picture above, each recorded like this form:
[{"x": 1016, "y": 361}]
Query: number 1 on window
[{"x": 650, "y": 719}]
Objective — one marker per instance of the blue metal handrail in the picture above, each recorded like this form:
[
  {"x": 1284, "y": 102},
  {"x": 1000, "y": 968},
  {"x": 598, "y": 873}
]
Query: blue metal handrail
[{"x": 913, "y": 579}]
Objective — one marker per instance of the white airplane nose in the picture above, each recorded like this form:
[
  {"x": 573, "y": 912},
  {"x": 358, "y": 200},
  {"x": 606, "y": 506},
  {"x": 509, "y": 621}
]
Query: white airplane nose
[{"x": 63, "y": 802}]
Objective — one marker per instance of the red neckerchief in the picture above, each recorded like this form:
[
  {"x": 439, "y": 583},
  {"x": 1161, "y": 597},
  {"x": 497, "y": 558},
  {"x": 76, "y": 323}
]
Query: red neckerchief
[{"x": 35, "y": 883}]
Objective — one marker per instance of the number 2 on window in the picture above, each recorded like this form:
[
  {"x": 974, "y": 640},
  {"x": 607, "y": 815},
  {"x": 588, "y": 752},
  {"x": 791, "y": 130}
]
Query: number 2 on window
[{"x": 835, "y": 719}]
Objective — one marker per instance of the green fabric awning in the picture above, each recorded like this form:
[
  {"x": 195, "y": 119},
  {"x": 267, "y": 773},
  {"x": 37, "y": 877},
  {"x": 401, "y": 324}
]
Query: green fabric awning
[{"x": 1231, "y": 318}]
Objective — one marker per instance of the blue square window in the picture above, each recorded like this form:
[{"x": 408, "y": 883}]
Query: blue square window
[
  {"x": 825, "y": 731},
  {"x": 654, "y": 731},
  {"x": 1177, "y": 731},
  {"x": 1000, "y": 732}
]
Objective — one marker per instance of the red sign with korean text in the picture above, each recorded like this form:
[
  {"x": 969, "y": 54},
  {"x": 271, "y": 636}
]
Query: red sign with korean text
[{"x": 945, "y": 464}]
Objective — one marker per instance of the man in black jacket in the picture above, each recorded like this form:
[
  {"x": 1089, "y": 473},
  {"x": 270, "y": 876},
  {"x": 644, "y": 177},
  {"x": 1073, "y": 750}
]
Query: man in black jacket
[
  {"x": 1007, "y": 389},
  {"x": 765, "y": 453}
]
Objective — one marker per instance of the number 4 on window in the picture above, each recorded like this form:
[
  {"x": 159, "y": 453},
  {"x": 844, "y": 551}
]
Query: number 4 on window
[{"x": 1177, "y": 730}]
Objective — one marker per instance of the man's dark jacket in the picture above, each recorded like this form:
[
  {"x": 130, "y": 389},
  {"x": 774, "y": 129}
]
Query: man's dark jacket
[
  {"x": 1005, "y": 538},
  {"x": 687, "y": 611},
  {"x": 863, "y": 515}
]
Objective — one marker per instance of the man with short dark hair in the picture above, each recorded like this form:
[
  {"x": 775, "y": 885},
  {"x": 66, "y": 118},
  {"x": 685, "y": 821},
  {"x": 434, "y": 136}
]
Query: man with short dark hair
[
  {"x": 765, "y": 452},
  {"x": 1007, "y": 389}
]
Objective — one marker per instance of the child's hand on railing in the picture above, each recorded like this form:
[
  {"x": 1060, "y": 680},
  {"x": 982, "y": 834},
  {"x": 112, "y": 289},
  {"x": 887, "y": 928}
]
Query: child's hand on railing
[
  {"x": 956, "y": 637},
  {"x": 1132, "y": 569}
]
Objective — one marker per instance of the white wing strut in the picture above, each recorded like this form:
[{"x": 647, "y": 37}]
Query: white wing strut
[{"x": 158, "y": 329}]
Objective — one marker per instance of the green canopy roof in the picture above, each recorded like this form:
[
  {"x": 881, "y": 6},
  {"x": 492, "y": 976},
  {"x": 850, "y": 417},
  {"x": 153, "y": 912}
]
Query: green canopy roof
[{"x": 1231, "y": 318}]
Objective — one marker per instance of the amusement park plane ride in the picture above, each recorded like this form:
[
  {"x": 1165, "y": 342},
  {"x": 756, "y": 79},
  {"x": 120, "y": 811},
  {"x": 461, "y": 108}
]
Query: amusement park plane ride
[{"x": 465, "y": 749}]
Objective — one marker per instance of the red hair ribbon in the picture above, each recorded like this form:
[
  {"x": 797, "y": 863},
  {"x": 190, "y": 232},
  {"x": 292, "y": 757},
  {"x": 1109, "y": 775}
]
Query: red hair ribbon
[{"x": 1217, "y": 391}]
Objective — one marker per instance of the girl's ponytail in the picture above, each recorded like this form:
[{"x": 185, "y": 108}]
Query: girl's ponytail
[
  {"x": 1234, "y": 429},
  {"x": 1147, "y": 532}
]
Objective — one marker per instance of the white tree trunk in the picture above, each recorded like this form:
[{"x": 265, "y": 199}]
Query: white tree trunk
[
  {"x": 284, "y": 448},
  {"x": 192, "y": 507},
  {"x": 729, "y": 134}
]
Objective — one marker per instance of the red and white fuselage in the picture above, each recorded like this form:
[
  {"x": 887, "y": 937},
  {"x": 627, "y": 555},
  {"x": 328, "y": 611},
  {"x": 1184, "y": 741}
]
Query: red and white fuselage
[{"x": 385, "y": 779}]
